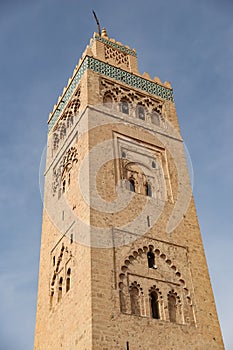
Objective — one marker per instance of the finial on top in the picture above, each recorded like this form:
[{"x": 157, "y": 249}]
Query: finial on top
[
  {"x": 97, "y": 22},
  {"x": 104, "y": 33}
]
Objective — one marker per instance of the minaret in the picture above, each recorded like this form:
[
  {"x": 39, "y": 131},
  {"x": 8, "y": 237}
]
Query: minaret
[{"x": 122, "y": 263}]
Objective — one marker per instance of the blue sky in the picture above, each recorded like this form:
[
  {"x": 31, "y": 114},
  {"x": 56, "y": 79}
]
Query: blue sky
[{"x": 188, "y": 42}]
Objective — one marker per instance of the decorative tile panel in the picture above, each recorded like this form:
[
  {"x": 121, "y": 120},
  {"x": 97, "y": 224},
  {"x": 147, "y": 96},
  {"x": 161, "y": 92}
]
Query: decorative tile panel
[
  {"x": 114, "y": 73},
  {"x": 115, "y": 45}
]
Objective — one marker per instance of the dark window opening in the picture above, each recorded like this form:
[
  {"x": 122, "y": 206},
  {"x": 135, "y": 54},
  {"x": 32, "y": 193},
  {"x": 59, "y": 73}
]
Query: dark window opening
[
  {"x": 154, "y": 305},
  {"x": 64, "y": 186},
  {"x": 132, "y": 185},
  {"x": 60, "y": 290},
  {"x": 125, "y": 107},
  {"x": 148, "y": 190},
  {"x": 67, "y": 284},
  {"x": 68, "y": 280},
  {"x": 151, "y": 259}
]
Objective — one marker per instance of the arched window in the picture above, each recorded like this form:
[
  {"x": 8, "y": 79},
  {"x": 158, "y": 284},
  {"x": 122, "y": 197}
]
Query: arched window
[
  {"x": 172, "y": 307},
  {"x": 151, "y": 259},
  {"x": 124, "y": 106},
  {"x": 148, "y": 189},
  {"x": 140, "y": 112},
  {"x": 131, "y": 185},
  {"x": 134, "y": 299},
  {"x": 107, "y": 100},
  {"x": 154, "y": 303},
  {"x": 155, "y": 119},
  {"x": 68, "y": 279},
  {"x": 60, "y": 289}
]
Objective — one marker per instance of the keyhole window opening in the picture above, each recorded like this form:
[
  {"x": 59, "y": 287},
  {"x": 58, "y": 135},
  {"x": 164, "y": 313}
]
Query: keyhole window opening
[
  {"x": 151, "y": 259},
  {"x": 134, "y": 298},
  {"x": 124, "y": 107},
  {"x": 154, "y": 301},
  {"x": 172, "y": 308},
  {"x": 148, "y": 189},
  {"x": 132, "y": 185},
  {"x": 140, "y": 112},
  {"x": 68, "y": 280},
  {"x": 60, "y": 289}
]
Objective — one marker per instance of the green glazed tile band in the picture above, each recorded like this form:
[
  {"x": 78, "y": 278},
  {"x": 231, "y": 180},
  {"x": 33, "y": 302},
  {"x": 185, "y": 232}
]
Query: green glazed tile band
[
  {"x": 115, "y": 45},
  {"x": 114, "y": 73}
]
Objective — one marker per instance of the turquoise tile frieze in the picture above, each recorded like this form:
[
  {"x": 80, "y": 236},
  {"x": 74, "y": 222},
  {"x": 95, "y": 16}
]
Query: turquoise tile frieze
[
  {"x": 114, "y": 73},
  {"x": 129, "y": 79},
  {"x": 115, "y": 45},
  {"x": 62, "y": 104}
]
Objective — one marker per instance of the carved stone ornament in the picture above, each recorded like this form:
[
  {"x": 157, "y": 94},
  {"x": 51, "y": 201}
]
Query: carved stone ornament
[{"x": 65, "y": 165}]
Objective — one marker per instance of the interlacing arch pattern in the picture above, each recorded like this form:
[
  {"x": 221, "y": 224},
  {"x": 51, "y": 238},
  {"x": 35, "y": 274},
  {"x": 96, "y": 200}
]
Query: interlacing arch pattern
[
  {"x": 61, "y": 276},
  {"x": 67, "y": 120},
  {"x": 156, "y": 289},
  {"x": 137, "y": 181},
  {"x": 118, "y": 57},
  {"x": 139, "y": 105},
  {"x": 173, "y": 299},
  {"x": 109, "y": 98},
  {"x": 62, "y": 172}
]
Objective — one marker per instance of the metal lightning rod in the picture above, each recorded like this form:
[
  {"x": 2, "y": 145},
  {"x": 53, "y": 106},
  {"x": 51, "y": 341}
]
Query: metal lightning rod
[{"x": 97, "y": 22}]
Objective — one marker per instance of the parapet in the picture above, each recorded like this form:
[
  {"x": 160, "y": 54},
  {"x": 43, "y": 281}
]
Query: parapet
[{"x": 112, "y": 59}]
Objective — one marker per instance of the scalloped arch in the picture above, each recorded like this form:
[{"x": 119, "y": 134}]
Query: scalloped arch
[{"x": 142, "y": 250}]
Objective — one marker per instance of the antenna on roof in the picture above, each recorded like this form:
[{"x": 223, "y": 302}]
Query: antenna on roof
[{"x": 97, "y": 22}]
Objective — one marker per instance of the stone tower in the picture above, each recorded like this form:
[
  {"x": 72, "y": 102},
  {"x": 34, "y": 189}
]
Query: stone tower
[{"x": 122, "y": 264}]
